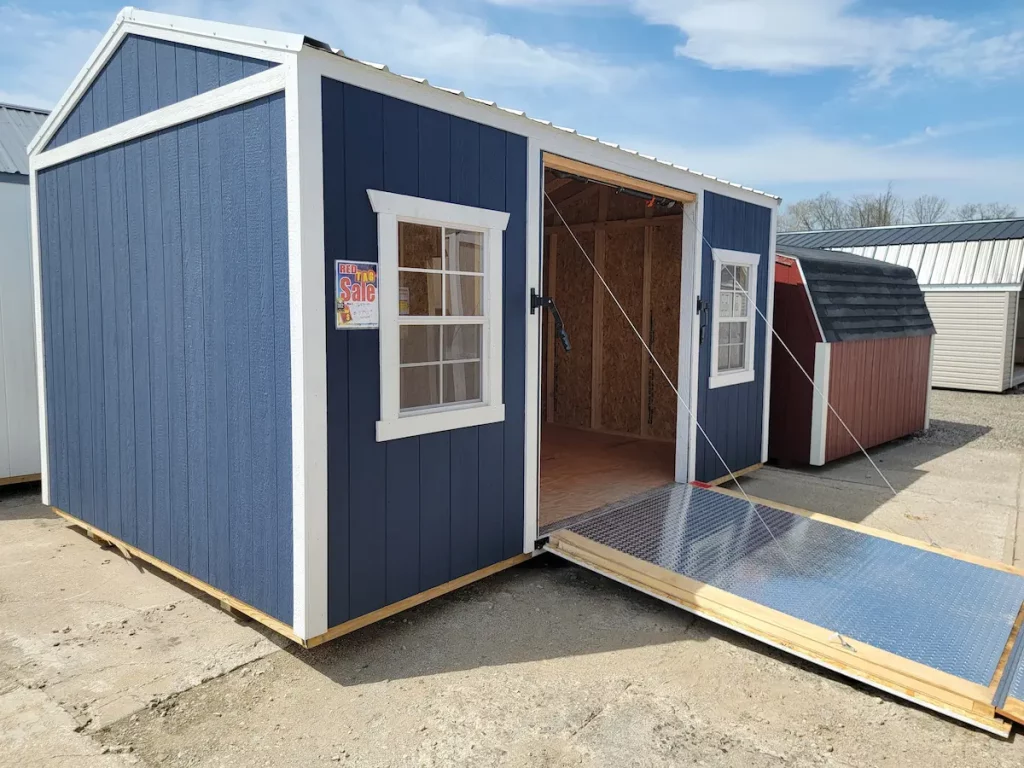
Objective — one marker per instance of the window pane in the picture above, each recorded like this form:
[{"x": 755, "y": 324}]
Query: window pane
[
  {"x": 465, "y": 295},
  {"x": 725, "y": 304},
  {"x": 728, "y": 278},
  {"x": 419, "y": 293},
  {"x": 419, "y": 386},
  {"x": 464, "y": 251},
  {"x": 739, "y": 305},
  {"x": 461, "y": 382},
  {"x": 419, "y": 343},
  {"x": 462, "y": 342},
  {"x": 736, "y": 355},
  {"x": 419, "y": 246},
  {"x": 741, "y": 277},
  {"x": 731, "y": 333},
  {"x": 723, "y": 355}
]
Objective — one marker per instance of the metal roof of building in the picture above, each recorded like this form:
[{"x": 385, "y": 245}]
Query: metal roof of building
[
  {"x": 857, "y": 298},
  {"x": 17, "y": 127},
  {"x": 974, "y": 254},
  {"x": 908, "y": 234}
]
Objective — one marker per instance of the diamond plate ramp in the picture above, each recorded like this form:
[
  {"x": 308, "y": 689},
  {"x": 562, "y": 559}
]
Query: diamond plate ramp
[{"x": 914, "y": 621}]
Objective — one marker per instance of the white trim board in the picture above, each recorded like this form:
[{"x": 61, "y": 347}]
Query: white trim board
[
  {"x": 37, "y": 300},
  {"x": 256, "y": 43},
  {"x": 819, "y": 409},
  {"x": 227, "y": 96},
  {"x": 689, "y": 352},
  {"x": 698, "y": 268},
  {"x": 768, "y": 340},
  {"x": 534, "y": 254},
  {"x": 307, "y": 286}
]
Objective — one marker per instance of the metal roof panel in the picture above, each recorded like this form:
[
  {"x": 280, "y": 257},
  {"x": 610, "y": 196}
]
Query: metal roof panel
[{"x": 17, "y": 127}]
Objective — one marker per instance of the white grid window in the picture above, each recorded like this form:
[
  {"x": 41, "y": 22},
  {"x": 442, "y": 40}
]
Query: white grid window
[
  {"x": 440, "y": 315},
  {"x": 732, "y": 328}
]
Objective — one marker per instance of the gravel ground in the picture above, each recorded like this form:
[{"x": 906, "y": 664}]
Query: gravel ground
[{"x": 985, "y": 420}]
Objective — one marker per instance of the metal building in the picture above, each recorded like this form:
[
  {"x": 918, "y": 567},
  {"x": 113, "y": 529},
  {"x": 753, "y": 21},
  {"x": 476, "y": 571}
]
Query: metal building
[
  {"x": 971, "y": 274},
  {"x": 19, "y": 420}
]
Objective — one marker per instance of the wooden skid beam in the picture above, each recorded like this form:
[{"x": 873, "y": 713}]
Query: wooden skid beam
[
  {"x": 575, "y": 167},
  {"x": 907, "y": 679},
  {"x": 876, "y": 532},
  {"x": 20, "y": 479},
  {"x": 217, "y": 594},
  {"x": 1013, "y": 709},
  {"x": 737, "y": 473},
  {"x": 411, "y": 602}
]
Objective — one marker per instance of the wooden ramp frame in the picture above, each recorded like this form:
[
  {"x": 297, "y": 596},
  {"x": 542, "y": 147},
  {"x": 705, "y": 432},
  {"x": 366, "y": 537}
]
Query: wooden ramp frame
[{"x": 928, "y": 687}]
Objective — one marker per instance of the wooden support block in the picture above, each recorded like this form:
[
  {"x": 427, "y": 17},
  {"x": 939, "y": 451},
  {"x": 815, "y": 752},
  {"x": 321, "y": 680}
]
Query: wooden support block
[
  {"x": 738, "y": 473},
  {"x": 20, "y": 479}
]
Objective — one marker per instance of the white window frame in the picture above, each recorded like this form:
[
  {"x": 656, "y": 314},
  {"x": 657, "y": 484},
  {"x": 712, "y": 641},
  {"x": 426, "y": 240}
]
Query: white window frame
[
  {"x": 392, "y": 209},
  {"x": 722, "y": 257}
]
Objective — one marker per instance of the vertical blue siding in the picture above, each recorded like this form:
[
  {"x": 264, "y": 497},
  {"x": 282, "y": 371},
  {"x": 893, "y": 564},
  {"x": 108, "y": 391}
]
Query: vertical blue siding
[
  {"x": 732, "y": 416},
  {"x": 168, "y": 365},
  {"x": 145, "y": 74},
  {"x": 407, "y": 515}
]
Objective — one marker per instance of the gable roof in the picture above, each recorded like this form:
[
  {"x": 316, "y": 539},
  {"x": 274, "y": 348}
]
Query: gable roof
[
  {"x": 855, "y": 298},
  {"x": 17, "y": 127},
  {"x": 276, "y": 46}
]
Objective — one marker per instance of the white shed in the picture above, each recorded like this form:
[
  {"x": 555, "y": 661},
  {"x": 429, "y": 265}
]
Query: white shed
[
  {"x": 971, "y": 274},
  {"x": 19, "y": 408}
]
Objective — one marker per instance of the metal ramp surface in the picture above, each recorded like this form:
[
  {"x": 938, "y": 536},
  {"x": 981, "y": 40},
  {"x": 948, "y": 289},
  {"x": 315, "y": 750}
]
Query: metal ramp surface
[{"x": 924, "y": 624}]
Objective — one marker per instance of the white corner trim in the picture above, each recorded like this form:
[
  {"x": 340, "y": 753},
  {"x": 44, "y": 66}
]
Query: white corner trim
[
  {"x": 227, "y": 96},
  {"x": 769, "y": 342},
  {"x": 441, "y": 421},
  {"x": 37, "y": 296},
  {"x": 810, "y": 300},
  {"x": 689, "y": 353},
  {"x": 256, "y": 43},
  {"x": 435, "y": 212},
  {"x": 819, "y": 409},
  {"x": 695, "y": 375},
  {"x": 928, "y": 394},
  {"x": 534, "y": 251},
  {"x": 748, "y": 373},
  {"x": 307, "y": 285}
]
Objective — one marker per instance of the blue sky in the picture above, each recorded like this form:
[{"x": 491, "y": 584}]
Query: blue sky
[{"x": 792, "y": 96}]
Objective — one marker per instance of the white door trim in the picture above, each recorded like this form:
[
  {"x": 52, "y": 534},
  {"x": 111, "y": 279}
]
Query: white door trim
[
  {"x": 534, "y": 251},
  {"x": 819, "y": 409}
]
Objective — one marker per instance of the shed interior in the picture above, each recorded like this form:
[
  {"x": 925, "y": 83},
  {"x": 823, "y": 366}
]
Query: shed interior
[{"x": 608, "y": 416}]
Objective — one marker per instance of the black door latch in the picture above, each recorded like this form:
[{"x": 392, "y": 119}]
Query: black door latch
[{"x": 546, "y": 302}]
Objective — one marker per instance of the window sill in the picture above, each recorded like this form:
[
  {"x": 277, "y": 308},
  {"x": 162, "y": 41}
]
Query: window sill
[
  {"x": 441, "y": 421},
  {"x": 730, "y": 379}
]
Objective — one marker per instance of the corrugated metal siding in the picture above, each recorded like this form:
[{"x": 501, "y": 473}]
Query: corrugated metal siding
[
  {"x": 19, "y": 401},
  {"x": 145, "y": 74},
  {"x": 789, "y": 429},
  {"x": 880, "y": 389},
  {"x": 970, "y": 338},
  {"x": 168, "y": 365},
  {"x": 732, "y": 416},
  {"x": 17, "y": 127},
  {"x": 992, "y": 262},
  {"x": 407, "y": 515}
]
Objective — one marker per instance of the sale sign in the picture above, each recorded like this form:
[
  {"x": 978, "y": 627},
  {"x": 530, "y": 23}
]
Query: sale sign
[{"x": 355, "y": 295}]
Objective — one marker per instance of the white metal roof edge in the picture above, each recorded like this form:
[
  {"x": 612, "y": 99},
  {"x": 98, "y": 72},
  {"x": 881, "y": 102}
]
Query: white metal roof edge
[
  {"x": 159, "y": 24},
  {"x": 903, "y": 226}
]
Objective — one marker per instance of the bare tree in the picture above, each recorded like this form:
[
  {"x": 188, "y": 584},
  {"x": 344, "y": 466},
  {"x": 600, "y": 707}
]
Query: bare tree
[
  {"x": 927, "y": 209},
  {"x": 826, "y": 211},
  {"x": 979, "y": 211},
  {"x": 882, "y": 210}
]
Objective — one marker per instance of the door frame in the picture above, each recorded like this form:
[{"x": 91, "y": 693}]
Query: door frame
[{"x": 687, "y": 366}]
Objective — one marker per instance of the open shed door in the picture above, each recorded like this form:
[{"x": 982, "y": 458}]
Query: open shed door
[{"x": 934, "y": 627}]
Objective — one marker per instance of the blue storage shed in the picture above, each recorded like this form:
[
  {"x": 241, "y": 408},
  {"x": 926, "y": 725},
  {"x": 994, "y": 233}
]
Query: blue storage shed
[{"x": 294, "y": 329}]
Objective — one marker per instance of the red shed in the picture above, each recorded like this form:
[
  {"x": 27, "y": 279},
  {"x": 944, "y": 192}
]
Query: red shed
[{"x": 861, "y": 328}]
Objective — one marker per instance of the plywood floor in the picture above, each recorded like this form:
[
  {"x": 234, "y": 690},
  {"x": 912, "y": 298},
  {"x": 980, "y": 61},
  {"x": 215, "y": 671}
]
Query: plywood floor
[{"x": 582, "y": 470}]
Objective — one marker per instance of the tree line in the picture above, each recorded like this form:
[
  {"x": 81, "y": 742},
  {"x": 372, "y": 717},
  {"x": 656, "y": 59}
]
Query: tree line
[{"x": 827, "y": 211}]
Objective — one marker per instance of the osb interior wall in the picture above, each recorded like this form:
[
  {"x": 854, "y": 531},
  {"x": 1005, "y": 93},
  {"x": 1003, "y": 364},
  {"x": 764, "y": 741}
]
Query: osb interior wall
[{"x": 623, "y": 372}]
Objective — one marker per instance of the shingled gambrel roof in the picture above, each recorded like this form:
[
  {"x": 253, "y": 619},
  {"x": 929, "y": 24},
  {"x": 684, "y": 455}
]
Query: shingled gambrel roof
[{"x": 857, "y": 298}]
